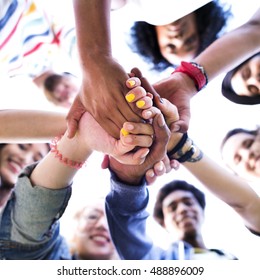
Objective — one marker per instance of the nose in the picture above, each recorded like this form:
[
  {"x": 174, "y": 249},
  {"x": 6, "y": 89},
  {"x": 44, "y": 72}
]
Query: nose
[
  {"x": 182, "y": 207},
  {"x": 26, "y": 158},
  {"x": 102, "y": 223}
]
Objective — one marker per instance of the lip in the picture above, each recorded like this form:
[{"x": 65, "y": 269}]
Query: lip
[
  {"x": 100, "y": 239},
  {"x": 14, "y": 166}
]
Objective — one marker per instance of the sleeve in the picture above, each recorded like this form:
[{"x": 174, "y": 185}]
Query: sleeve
[
  {"x": 36, "y": 209},
  {"x": 127, "y": 215}
]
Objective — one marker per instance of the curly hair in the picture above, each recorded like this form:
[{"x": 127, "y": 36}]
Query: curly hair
[
  {"x": 172, "y": 187},
  {"x": 210, "y": 18}
]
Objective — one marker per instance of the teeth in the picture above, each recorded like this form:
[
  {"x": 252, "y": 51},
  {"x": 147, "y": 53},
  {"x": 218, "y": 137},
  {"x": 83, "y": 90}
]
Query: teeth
[{"x": 99, "y": 238}]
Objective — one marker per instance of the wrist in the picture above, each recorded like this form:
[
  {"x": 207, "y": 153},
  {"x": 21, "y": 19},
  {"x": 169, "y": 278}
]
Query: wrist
[
  {"x": 71, "y": 152},
  {"x": 195, "y": 72}
]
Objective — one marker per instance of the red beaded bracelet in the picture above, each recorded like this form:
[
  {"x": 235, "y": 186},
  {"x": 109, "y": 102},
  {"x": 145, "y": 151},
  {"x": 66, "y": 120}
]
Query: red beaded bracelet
[
  {"x": 195, "y": 71},
  {"x": 62, "y": 159}
]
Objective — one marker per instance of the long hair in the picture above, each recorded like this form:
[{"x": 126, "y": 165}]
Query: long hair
[{"x": 210, "y": 18}]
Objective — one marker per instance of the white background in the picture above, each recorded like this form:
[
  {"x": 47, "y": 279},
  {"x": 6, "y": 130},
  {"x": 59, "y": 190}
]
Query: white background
[{"x": 212, "y": 117}]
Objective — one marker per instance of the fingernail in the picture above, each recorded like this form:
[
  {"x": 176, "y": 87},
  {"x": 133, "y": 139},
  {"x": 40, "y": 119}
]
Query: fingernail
[
  {"x": 150, "y": 173},
  {"x": 140, "y": 104},
  {"x": 131, "y": 83},
  {"x": 144, "y": 154},
  {"x": 124, "y": 132},
  {"x": 129, "y": 127},
  {"x": 160, "y": 166},
  {"x": 175, "y": 128},
  {"x": 161, "y": 121},
  {"x": 130, "y": 97},
  {"x": 161, "y": 100},
  {"x": 147, "y": 114}
]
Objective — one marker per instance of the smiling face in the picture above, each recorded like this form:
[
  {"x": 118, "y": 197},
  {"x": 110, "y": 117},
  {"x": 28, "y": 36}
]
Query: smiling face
[
  {"x": 92, "y": 239},
  {"x": 14, "y": 157},
  {"x": 246, "y": 80},
  {"x": 241, "y": 152},
  {"x": 178, "y": 40},
  {"x": 182, "y": 214}
]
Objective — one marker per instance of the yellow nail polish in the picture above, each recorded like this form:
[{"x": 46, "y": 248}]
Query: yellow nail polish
[
  {"x": 131, "y": 83},
  {"x": 140, "y": 104},
  {"x": 130, "y": 97},
  {"x": 124, "y": 132}
]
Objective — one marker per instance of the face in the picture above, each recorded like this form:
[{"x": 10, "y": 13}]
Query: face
[
  {"x": 246, "y": 81},
  {"x": 92, "y": 238},
  {"x": 182, "y": 214},
  {"x": 14, "y": 157},
  {"x": 241, "y": 153},
  {"x": 178, "y": 40},
  {"x": 66, "y": 90}
]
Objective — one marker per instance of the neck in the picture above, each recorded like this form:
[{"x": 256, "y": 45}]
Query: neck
[{"x": 196, "y": 241}]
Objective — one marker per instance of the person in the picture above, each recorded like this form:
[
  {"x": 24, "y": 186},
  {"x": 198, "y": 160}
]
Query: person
[
  {"x": 90, "y": 238},
  {"x": 241, "y": 84},
  {"x": 92, "y": 25},
  {"x": 164, "y": 46},
  {"x": 179, "y": 208},
  {"x": 31, "y": 44},
  {"x": 31, "y": 230},
  {"x": 240, "y": 150},
  {"x": 13, "y": 158},
  {"x": 29, "y": 126},
  {"x": 228, "y": 187}
]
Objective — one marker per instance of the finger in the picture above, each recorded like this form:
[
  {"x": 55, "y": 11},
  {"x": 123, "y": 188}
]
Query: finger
[
  {"x": 169, "y": 110},
  {"x": 133, "y": 158},
  {"x": 137, "y": 140},
  {"x": 159, "y": 168},
  {"x": 135, "y": 94},
  {"x": 133, "y": 82},
  {"x": 150, "y": 177},
  {"x": 105, "y": 162},
  {"x": 183, "y": 124},
  {"x": 137, "y": 128},
  {"x": 72, "y": 125},
  {"x": 145, "y": 84},
  {"x": 150, "y": 113}
]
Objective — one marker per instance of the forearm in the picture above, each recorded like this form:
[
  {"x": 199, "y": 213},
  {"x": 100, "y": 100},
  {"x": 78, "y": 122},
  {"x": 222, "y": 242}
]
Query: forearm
[
  {"x": 231, "y": 49},
  {"x": 52, "y": 173},
  {"x": 92, "y": 19},
  {"x": 226, "y": 186},
  {"x": 30, "y": 126}
]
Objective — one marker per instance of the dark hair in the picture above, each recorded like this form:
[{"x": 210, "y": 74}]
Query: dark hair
[
  {"x": 171, "y": 187},
  {"x": 230, "y": 94},
  {"x": 235, "y": 131},
  {"x": 50, "y": 83},
  {"x": 211, "y": 19}
]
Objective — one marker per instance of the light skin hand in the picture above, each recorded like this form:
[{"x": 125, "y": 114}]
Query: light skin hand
[{"x": 133, "y": 174}]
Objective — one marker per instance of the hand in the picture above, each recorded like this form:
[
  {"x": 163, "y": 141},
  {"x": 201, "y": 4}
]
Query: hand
[
  {"x": 102, "y": 95},
  {"x": 133, "y": 174},
  {"x": 178, "y": 89},
  {"x": 92, "y": 136}
]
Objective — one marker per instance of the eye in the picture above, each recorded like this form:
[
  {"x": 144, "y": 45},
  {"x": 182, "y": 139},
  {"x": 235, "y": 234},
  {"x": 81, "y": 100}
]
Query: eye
[
  {"x": 246, "y": 73},
  {"x": 23, "y": 147},
  {"x": 237, "y": 159}
]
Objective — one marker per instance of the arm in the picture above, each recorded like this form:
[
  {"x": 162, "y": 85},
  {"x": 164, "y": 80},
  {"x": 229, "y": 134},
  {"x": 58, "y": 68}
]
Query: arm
[
  {"x": 228, "y": 187},
  {"x": 29, "y": 125},
  {"x": 223, "y": 55},
  {"x": 106, "y": 101}
]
